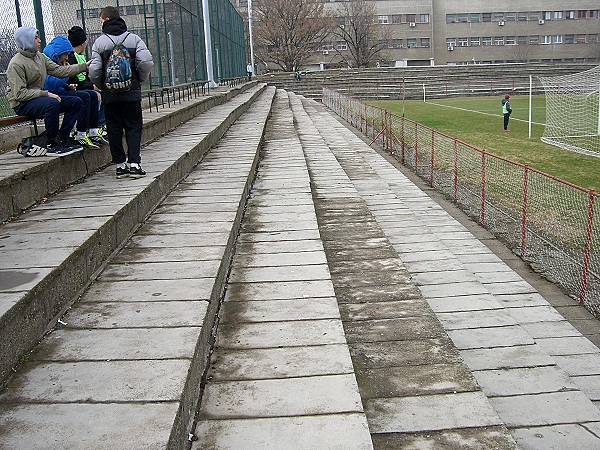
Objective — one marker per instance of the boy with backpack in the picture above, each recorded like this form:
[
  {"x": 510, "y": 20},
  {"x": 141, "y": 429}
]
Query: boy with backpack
[{"x": 120, "y": 63}]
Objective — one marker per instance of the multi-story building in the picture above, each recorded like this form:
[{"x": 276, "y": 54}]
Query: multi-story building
[{"x": 428, "y": 32}]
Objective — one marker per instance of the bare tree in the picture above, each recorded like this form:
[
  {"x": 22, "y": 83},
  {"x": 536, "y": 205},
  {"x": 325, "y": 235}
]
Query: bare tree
[
  {"x": 357, "y": 27},
  {"x": 288, "y": 31}
]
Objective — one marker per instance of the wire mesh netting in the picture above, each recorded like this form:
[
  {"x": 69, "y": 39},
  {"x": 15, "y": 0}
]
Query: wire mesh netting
[
  {"x": 573, "y": 111},
  {"x": 173, "y": 31},
  {"x": 550, "y": 223}
]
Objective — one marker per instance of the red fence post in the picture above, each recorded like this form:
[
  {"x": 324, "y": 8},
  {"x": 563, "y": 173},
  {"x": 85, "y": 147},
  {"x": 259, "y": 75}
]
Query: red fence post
[
  {"x": 402, "y": 141},
  {"x": 524, "y": 211},
  {"x": 432, "y": 156},
  {"x": 588, "y": 245},
  {"x": 416, "y": 148},
  {"x": 482, "y": 218},
  {"x": 455, "y": 171}
]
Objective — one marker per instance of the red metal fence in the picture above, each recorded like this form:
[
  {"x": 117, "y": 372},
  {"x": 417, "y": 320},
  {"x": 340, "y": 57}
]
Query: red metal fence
[{"x": 547, "y": 221}]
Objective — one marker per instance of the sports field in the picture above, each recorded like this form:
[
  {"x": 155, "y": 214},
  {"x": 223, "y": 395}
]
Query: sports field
[{"x": 478, "y": 121}]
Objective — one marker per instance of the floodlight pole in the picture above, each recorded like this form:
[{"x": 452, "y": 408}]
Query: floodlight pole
[
  {"x": 208, "y": 43},
  {"x": 250, "y": 35},
  {"x": 530, "y": 95}
]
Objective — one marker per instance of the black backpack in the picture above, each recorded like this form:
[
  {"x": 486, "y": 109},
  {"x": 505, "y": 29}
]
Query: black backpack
[{"x": 33, "y": 145}]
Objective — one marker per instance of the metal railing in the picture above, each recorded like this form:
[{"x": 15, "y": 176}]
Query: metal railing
[{"x": 550, "y": 223}]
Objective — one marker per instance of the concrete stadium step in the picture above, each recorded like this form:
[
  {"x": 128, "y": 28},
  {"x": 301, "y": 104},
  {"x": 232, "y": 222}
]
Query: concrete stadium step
[
  {"x": 416, "y": 390},
  {"x": 281, "y": 376},
  {"x": 123, "y": 367},
  {"x": 26, "y": 181},
  {"x": 539, "y": 373},
  {"x": 50, "y": 254}
]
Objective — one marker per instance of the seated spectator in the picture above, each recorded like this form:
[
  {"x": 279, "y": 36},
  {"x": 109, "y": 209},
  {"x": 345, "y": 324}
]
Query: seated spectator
[
  {"x": 78, "y": 40},
  {"x": 58, "y": 50},
  {"x": 26, "y": 75}
]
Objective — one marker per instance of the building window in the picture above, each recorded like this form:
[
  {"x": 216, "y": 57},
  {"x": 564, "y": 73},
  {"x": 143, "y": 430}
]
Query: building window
[
  {"x": 511, "y": 40},
  {"x": 510, "y": 16},
  {"x": 581, "y": 39},
  {"x": 475, "y": 17},
  {"x": 450, "y": 18},
  {"x": 411, "y": 43},
  {"x": 522, "y": 16},
  {"x": 582, "y": 14},
  {"x": 328, "y": 46},
  {"x": 547, "y": 15},
  {"x": 521, "y": 40},
  {"x": 534, "y": 16},
  {"x": 570, "y": 14},
  {"x": 411, "y": 18},
  {"x": 557, "y": 39},
  {"x": 425, "y": 42},
  {"x": 475, "y": 42},
  {"x": 557, "y": 15},
  {"x": 424, "y": 18},
  {"x": 498, "y": 16},
  {"x": 463, "y": 42},
  {"x": 534, "y": 40},
  {"x": 383, "y": 19},
  {"x": 486, "y": 17},
  {"x": 397, "y": 43},
  {"x": 547, "y": 39},
  {"x": 130, "y": 10},
  {"x": 593, "y": 13},
  {"x": 397, "y": 18},
  {"x": 486, "y": 40},
  {"x": 592, "y": 38},
  {"x": 341, "y": 45},
  {"x": 462, "y": 18},
  {"x": 569, "y": 38},
  {"x": 451, "y": 42},
  {"x": 499, "y": 40}
]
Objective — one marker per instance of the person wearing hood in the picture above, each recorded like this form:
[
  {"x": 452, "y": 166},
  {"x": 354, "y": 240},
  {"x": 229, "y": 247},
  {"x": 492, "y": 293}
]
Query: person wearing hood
[
  {"x": 122, "y": 110},
  {"x": 506, "y": 111},
  {"x": 59, "y": 50},
  {"x": 26, "y": 75}
]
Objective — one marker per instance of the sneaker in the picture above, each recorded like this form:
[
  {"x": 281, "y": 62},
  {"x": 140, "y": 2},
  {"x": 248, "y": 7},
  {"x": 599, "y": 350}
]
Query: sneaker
[
  {"x": 136, "y": 172},
  {"x": 506, "y": 131},
  {"x": 98, "y": 139},
  {"x": 122, "y": 172},
  {"x": 85, "y": 141},
  {"x": 71, "y": 144},
  {"x": 102, "y": 130},
  {"x": 59, "y": 149}
]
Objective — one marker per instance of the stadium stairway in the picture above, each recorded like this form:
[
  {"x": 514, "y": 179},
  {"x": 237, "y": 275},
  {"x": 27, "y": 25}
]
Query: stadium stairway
[{"x": 356, "y": 312}]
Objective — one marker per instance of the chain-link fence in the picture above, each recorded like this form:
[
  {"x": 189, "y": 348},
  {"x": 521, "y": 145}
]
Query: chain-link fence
[
  {"x": 551, "y": 223},
  {"x": 172, "y": 29}
]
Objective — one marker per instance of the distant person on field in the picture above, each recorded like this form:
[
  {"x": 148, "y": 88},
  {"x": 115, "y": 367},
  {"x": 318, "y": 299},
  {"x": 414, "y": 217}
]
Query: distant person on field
[
  {"x": 249, "y": 71},
  {"x": 79, "y": 41},
  {"x": 298, "y": 75},
  {"x": 122, "y": 109},
  {"x": 506, "y": 110},
  {"x": 26, "y": 75}
]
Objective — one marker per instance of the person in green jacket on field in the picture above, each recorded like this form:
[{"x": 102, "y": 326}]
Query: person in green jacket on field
[{"x": 506, "y": 110}]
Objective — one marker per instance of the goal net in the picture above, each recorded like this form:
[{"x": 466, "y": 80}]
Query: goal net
[{"x": 573, "y": 112}]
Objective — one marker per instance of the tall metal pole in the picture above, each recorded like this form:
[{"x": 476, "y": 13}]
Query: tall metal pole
[
  {"x": 250, "y": 33},
  {"x": 157, "y": 35},
  {"x": 208, "y": 43},
  {"x": 39, "y": 21},
  {"x": 530, "y": 101},
  {"x": 18, "y": 10}
]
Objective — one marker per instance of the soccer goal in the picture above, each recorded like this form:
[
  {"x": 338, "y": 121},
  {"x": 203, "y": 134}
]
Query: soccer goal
[{"x": 573, "y": 111}]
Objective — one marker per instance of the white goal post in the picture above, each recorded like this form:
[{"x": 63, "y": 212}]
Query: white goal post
[{"x": 573, "y": 111}]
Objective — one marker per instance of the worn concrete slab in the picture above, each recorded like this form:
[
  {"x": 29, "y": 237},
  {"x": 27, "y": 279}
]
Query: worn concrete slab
[
  {"x": 507, "y": 336},
  {"x": 160, "y": 271},
  {"x": 563, "y": 346},
  {"x": 526, "y": 380},
  {"x": 280, "y": 310},
  {"x": 579, "y": 365},
  {"x": 430, "y": 412},
  {"x": 506, "y": 357},
  {"x": 475, "y": 319},
  {"x": 279, "y": 290},
  {"x": 300, "y": 433},
  {"x": 150, "y": 290},
  {"x": 475, "y": 302},
  {"x": 558, "y": 437},
  {"x": 399, "y": 329},
  {"x": 277, "y": 273}
]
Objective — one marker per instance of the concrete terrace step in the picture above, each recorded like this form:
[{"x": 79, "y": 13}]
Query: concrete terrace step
[
  {"x": 281, "y": 375},
  {"x": 49, "y": 255},
  {"x": 539, "y": 373},
  {"x": 25, "y": 181},
  {"x": 123, "y": 369}
]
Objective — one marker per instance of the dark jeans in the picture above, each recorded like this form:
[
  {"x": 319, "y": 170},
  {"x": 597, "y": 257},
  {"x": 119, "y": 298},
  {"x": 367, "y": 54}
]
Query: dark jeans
[
  {"x": 124, "y": 117},
  {"x": 49, "y": 109},
  {"x": 506, "y": 117},
  {"x": 88, "y": 117}
]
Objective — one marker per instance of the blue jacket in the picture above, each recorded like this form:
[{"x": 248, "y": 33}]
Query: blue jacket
[{"x": 56, "y": 47}]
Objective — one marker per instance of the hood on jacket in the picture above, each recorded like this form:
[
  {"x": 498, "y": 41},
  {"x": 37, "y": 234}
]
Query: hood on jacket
[
  {"x": 25, "y": 38},
  {"x": 58, "y": 46},
  {"x": 114, "y": 27}
]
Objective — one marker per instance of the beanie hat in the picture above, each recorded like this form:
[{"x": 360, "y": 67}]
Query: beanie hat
[
  {"x": 76, "y": 36},
  {"x": 507, "y": 97}
]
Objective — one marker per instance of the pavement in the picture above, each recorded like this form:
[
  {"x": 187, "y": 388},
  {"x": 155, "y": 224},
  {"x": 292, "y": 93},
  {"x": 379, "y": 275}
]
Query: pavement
[{"x": 315, "y": 298}]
